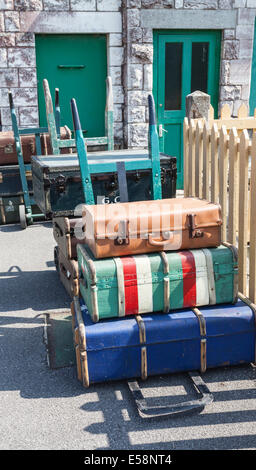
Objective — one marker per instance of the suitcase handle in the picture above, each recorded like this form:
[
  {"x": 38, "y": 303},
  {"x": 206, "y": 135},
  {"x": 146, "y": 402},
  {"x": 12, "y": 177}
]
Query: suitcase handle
[
  {"x": 153, "y": 242},
  {"x": 186, "y": 407}
]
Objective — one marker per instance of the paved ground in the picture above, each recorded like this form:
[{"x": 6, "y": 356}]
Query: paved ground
[{"x": 48, "y": 409}]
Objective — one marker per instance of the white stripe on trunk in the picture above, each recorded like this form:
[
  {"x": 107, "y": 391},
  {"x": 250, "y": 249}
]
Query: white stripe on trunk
[
  {"x": 120, "y": 284},
  {"x": 211, "y": 278},
  {"x": 144, "y": 284},
  {"x": 202, "y": 289}
]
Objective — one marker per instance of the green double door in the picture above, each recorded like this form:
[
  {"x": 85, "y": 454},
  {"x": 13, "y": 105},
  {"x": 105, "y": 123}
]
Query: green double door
[
  {"x": 77, "y": 65},
  {"x": 184, "y": 61}
]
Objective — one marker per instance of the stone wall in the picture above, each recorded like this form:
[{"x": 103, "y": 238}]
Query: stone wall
[
  {"x": 140, "y": 17},
  {"x": 21, "y": 19},
  {"x": 129, "y": 25}
]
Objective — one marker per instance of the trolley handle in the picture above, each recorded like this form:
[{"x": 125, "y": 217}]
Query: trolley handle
[
  {"x": 152, "y": 111},
  {"x": 75, "y": 116}
]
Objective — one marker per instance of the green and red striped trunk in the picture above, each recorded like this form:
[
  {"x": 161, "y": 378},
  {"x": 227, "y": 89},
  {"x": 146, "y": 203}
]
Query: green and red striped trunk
[{"x": 130, "y": 285}]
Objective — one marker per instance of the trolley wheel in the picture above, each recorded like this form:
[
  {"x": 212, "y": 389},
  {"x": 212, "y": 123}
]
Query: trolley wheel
[
  {"x": 56, "y": 258},
  {"x": 22, "y": 214}
]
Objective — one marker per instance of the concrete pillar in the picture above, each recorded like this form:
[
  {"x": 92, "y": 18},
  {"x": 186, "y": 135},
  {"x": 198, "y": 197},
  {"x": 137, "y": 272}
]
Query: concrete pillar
[{"x": 197, "y": 105}]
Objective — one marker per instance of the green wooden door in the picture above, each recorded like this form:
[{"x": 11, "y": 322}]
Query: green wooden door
[
  {"x": 184, "y": 61},
  {"x": 77, "y": 65}
]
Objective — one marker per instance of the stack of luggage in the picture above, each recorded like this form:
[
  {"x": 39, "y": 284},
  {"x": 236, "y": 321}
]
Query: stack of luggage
[
  {"x": 158, "y": 289},
  {"x": 154, "y": 290}
]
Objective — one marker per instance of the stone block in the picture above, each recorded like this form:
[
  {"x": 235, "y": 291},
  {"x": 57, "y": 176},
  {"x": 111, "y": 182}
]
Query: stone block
[
  {"x": 3, "y": 57},
  {"x": 136, "y": 114},
  {"x": 137, "y": 98},
  {"x": 239, "y": 3},
  {"x": 230, "y": 93},
  {"x": 67, "y": 22},
  {"x": 201, "y": 4},
  {"x": 229, "y": 34},
  {"x": 135, "y": 34},
  {"x": 108, "y": 5},
  {"x": 6, "y": 117},
  {"x": 115, "y": 73},
  {"x": 243, "y": 32},
  {"x": 25, "y": 39},
  {"x": 142, "y": 53},
  {"x": 138, "y": 135},
  {"x": 26, "y": 5},
  {"x": 225, "y": 4},
  {"x": 22, "y": 57},
  {"x": 133, "y": 18},
  {"x": 251, "y": 3},
  {"x": 157, "y": 3},
  {"x": 135, "y": 77},
  {"x": 240, "y": 71},
  {"x": 6, "y": 4},
  {"x": 115, "y": 39},
  {"x": 83, "y": 5},
  {"x": 246, "y": 16},
  {"x": 178, "y": 4},
  {"x": 9, "y": 78},
  {"x": 147, "y": 35},
  {"x": 56, "y": 5},
  {"x": 12, "y": 21},
  {"x": 2, "y": 26},
  {"x": 118, "y": 131},
  {"x": 225, "y": 72},
  {"x": 133, "y": 3},
  {"x": 24, "y": 96},
  {"x": 7, "y": 39},
  {"x": 148, "y": 77},
  {"x": 118, "y": 113},
  {"x": 118, "y": 95},
  {"x": 4, "y": 99},
  {"x": 116, "y": 56},
  {"x": 27, "y": 77},
  {"x": 231, "y": 49},
  {"x": 28, "y": 116},
  {"x": 245, "y": 48},
  {"x": 245, "y": 92}
]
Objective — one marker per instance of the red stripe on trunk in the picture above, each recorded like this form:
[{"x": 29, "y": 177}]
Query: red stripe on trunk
[
  {"x": 130, "y": 285},
  {"x": 189, "y": 278}
]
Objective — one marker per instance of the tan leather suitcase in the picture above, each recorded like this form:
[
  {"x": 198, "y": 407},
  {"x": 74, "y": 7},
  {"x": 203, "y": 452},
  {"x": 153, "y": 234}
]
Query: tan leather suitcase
[
  {"x": 68, "y": 272},
  {"x": 64, "y": 235},
  {"x": 8, "y": 155},
  {"x": 157, "y": 225}
]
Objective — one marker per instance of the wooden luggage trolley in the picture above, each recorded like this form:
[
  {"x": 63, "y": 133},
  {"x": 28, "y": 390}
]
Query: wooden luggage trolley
[
  {"x": 25, "y": 211},
  {"x": 81, "y": 319},
  {"x": 53, "y": 121},
  {"x": 39, "y": 138}
]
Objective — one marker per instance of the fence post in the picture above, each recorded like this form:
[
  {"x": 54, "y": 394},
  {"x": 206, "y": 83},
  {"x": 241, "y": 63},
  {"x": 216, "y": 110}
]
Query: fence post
[{"x": 197, "y": 107}]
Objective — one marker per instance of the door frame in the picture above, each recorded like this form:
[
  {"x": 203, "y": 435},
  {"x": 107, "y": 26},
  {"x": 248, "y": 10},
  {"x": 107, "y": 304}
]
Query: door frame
[{"x": 213, "y": 71}]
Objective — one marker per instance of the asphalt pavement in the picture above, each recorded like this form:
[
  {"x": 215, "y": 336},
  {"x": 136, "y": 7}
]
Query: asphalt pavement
[{"x": 41, "y": 408}]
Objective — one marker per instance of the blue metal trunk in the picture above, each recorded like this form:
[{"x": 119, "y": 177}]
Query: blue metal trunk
[{"x": 156, "y": 344}]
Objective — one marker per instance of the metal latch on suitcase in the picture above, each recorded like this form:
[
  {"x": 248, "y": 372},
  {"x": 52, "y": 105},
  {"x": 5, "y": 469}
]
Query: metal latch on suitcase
[
  {"x": 193, "y": 231},
  {"x": 179, "y": 409}
]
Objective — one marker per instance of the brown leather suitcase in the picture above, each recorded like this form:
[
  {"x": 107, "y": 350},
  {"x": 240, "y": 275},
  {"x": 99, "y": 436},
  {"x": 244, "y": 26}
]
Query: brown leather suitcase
[
  {"x": 68, "y": 272},
  {"x": 8, "y": 155},
  {"x": 64, "y": 235},
  {"x": 157, "y": 225}
]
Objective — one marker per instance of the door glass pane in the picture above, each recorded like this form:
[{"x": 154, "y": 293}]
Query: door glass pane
[
  {"x": 173, "y": 71},
  {"x": 199, "y": 66}
]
